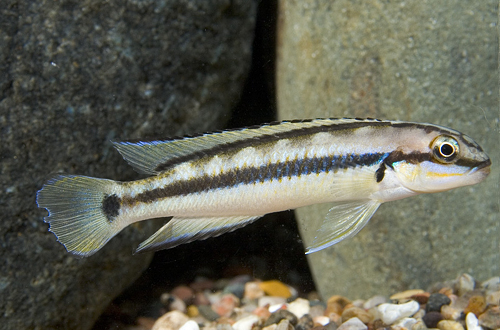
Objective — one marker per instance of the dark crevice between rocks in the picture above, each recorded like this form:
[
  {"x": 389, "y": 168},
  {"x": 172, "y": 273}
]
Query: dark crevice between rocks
[{"x": 270, "y": 248}]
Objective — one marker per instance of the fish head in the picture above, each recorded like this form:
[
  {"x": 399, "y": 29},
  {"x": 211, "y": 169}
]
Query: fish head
[{"x": 445, "y": 159}]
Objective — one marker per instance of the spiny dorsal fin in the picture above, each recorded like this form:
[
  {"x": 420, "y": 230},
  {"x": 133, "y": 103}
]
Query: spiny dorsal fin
[
  {"x": 181, "y": 230},
  {"x": 344, "y": 220},
  {"x": 156, "y": 156}
]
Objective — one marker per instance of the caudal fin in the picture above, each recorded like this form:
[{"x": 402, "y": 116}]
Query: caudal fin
[{"x": 81, "y": 211}]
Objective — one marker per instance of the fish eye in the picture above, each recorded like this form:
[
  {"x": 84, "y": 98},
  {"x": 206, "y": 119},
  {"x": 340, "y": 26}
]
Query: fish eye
[{"x": 445, "y": 148}]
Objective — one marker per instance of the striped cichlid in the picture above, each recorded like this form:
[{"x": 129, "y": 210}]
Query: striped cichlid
[{"x": 214, "y": 183}]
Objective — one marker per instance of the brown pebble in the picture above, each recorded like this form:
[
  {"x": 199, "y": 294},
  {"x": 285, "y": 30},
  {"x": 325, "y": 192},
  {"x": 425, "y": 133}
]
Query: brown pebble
[
  {"x": 406, "y": 295},
  {"x": 450, "y": 313},
  {"x": 336, "y": 304},
  {"x": 262, "y": 312},
  {"x": 476, "y": 305},
  {"x": 490, "y": 318},
  {"x": 421, "y": 298},
  {"x": 305, "y": 323},
  {"x": 449, "y": 325},
  {"x": 201, "y": 299},
  {"x": 446, "y": 291},
  {"x": 360, "y": 313},
  {"x": 226, "y": 305},
  {"x": 184, "y": 293},
  {"x": 431, "y": 319},
  {"x": 276, "y": 317}
]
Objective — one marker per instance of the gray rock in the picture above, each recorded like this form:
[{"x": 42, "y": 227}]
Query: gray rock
[
  {"x": 75, "y": 75},
  {"x": 420, "y": 61}
]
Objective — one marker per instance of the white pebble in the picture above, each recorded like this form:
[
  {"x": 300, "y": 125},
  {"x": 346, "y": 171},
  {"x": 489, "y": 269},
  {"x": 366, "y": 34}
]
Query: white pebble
[
  {"x": 491, "y": 285},
  {"x": 323, "y": 320},
  {"x": 269, "y": 300},
  {"x": 390, "y": 313},
  {"x": 190, "y": 325},
  {"x": 299, "y": 307},
  {"x": 374, "y": 301},
  {"x": 405, "y": 323},
  {"x": 465, "y": 283},
  {"x": 246, "y": 323},
  {"x": 353, "y": 324},
  {"x": 471, "y": 322}
]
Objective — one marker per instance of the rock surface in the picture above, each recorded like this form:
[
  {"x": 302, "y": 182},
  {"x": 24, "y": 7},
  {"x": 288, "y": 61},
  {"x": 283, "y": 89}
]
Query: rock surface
[
  {"x": 415, "y": 61},
  {"x": 74, "y": 76}
]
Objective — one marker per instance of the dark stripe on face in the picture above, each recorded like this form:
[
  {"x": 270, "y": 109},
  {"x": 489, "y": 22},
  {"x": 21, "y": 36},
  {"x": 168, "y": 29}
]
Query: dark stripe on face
[{"x": 254, "y": 175}]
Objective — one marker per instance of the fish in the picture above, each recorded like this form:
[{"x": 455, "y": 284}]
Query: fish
[{"x": 214, "y": 183}]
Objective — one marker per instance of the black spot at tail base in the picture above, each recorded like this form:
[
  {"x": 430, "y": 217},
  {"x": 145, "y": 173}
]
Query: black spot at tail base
[
  {"x": 380, "y": 173},
  {"x": 111, "y": 206}
]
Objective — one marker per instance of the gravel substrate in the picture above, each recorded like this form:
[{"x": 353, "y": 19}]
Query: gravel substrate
[{"x": 243, "y": 303}]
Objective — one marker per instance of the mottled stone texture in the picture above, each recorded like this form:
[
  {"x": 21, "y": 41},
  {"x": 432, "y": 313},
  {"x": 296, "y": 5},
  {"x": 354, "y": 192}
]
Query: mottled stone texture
[
  {"x": 425, "y": 61},
  {"x": 74, "y": 75}
]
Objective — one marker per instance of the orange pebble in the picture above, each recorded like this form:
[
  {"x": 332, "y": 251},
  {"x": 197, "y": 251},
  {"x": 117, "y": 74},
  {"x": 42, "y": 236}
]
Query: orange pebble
[{"x": 476, "y": 305}]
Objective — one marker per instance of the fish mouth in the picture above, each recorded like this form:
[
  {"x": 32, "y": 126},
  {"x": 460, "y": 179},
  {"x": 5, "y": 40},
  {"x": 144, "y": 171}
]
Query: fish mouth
[{"x": 483, "y": 168}]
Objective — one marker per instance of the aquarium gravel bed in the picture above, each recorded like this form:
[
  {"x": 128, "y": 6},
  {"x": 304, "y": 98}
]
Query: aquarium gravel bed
[{"x": 244, "y": 303}]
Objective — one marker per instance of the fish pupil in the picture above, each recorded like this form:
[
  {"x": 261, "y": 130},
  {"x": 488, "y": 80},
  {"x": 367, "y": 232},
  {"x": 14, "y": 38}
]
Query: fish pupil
[{"x": 447, "y": 150}]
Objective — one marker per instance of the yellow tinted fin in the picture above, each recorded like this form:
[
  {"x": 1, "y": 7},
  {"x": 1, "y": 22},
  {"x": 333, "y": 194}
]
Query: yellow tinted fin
[
  {"x": 77, "y": 217},
  {"x": 344, "y": 220},
  {"x": 155, "y": 156},
  {"x": 181, "y": 230}
]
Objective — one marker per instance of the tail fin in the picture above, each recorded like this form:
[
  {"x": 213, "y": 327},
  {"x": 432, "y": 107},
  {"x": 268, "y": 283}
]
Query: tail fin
[{"x": 80, "y": 212}]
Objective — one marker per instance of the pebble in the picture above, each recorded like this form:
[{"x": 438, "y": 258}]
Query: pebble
[
  {"x": 184, "y": 293},
  {"x": 436, "y": 301},
  {"x": 336, "y": 304},
  {"x": 190, "y": 325},
  {"x": 237, "y": 289},
  {"x": 465, "y": 283},
  {"x": 172, "y": 302},
  {"x": 374, "y": 301},
  {"x": 493, "y": 298},
  {"x": 246, "y": 323},
  {"x": 406, "y": 295},
  {"x": 432, "y": 319},
  {"x": 490, "y": 318},
  {"x": 173, "y": 320},
  {"x": 353, "y": 324},
  {"x": 271, "y": 301},
  {"x": 360, "y": 313},
  {"x": 323, "y": 320},
  {"x": 262, "y": 312},
  {"x": 389, "y": 313},
  {"x": 316, "y": 310},
  {"x": 419, "y": 325},
  {"x": 253, "y": 291},
  {"x": 207, "y": 312},
  {"x": 405, "y": 323},
  {"x": 476, "y": 305},
  {"x": 299, "y": 307},
  {"x": 472, "y": 322},
  {"x": 450, "y": 313},
  {"x": 276, "y": 317},
  {"x": 491, "y": 285},
  {"x": 305, "y": 323},
  {"x": 284, "y": 325},
  {"x": 192, "y": 311},
  {"x": 275, "y": 288},
  {"x": 226, "y": 305},
  {"x": 449, "y": 325}
]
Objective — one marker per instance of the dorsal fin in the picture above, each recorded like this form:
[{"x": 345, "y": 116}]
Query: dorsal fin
[{"x": 156, "y": 156}]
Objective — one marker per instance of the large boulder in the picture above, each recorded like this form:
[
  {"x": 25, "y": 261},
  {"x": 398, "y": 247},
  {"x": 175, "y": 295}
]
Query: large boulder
[
  {"x": 424, "y": 61},
  {"x": 75, "y": 75}
]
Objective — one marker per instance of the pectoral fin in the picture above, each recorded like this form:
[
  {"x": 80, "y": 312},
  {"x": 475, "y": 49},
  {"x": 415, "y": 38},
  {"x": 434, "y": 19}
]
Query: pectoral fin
[
  {"x": 184, "y": 230},
  {"x": 344, "y": 220}
]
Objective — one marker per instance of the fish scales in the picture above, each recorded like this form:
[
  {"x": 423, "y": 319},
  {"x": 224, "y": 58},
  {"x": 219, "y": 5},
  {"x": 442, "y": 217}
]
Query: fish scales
[{"x": 213, "y": 183}]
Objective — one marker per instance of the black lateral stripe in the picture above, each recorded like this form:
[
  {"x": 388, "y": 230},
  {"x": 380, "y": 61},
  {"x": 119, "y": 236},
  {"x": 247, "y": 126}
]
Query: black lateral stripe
[
  {"x": 240, "y": 144},
  {"x": 249, "y": 175}
]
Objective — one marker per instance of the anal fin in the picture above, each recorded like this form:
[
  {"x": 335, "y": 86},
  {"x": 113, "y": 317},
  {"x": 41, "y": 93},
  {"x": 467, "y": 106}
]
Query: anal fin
[
  {"x": 344, "y": 220},
  {"x": 180, "y": 230}
]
